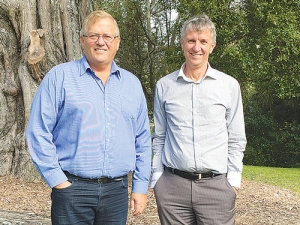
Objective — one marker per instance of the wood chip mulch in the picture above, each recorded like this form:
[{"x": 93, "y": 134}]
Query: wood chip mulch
[{"x": 257, "y": 203}]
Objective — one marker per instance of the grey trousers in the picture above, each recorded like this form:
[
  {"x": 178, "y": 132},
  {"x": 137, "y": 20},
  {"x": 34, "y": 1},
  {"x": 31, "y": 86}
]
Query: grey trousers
[{"x": 209, "y": 201}]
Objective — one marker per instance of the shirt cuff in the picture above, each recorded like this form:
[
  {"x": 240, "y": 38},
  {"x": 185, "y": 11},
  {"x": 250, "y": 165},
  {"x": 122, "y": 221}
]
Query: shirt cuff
[
  {"x": 155, "y": 177},
  {"x": 140, "y": 187},
  {"x": 56, "y": 178},
  {"x": 234, "y": 179}
]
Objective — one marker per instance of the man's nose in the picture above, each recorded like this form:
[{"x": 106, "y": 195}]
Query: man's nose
[
  {"x": 100, "y": 40},
  {"x": 197, "y": 46}
]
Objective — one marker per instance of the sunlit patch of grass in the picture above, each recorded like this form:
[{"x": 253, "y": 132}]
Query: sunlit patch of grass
[{"x": 283, "y": 177}]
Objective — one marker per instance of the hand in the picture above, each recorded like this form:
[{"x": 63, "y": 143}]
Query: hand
[
  {"x": 65, "y": 184},
  {"x": 236, "y": 190},
  {"x": 138, "y": 203}
]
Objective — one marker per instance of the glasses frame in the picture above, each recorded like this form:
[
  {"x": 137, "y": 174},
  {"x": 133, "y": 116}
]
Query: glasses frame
[{"x": 89, "y": 37}]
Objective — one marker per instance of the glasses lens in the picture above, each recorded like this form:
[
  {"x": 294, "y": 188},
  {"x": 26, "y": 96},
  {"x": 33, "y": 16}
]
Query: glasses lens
[
  {"x": 107, "y": 38},
  {"x": 95, "y": 37}
]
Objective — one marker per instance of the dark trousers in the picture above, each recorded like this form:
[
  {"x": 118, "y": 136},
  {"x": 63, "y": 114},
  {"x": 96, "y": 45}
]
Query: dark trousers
[
  {"x": 90, "y": 203},
  {"x": 208, "y": 201}
]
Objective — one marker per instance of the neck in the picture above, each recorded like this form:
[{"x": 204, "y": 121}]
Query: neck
[
  {"x": 195, "y": 73},
  {"x": 102, "y": 72}
]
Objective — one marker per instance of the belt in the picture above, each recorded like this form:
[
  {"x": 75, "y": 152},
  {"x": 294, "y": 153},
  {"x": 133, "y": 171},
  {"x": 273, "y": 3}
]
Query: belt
[
  {"x": 100, "y": 180},
  {"x": 190, "y": 175}
]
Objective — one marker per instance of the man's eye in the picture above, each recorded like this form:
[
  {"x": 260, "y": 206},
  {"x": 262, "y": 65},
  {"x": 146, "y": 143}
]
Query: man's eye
[
  {"x": 106, "y": 37},
  {"x": 191, "y": 41},
  {"x": 93, "y": 36}
]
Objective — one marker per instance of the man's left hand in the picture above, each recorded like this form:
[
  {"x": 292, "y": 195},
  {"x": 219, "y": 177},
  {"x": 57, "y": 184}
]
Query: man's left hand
[
  {"x": 138, "y": 203},
  {"x": 236, "y": 190}
]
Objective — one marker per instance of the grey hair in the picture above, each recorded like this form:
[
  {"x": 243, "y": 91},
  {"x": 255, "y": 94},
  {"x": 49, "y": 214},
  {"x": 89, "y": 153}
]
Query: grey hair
[
  {"x": 93, "y": 16},
  {"x": 199, "y": 23}
]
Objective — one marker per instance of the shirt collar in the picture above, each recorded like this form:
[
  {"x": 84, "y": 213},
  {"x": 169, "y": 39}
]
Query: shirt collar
[
  {"x": 85, "y": 67},
  {"x": 209, "y": 73}
]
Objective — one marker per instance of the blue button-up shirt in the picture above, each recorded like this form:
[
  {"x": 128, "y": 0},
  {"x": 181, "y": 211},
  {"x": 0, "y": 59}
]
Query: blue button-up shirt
[
  {"x": 90, "y": 130},
  {"x": 199, "y": 126}
]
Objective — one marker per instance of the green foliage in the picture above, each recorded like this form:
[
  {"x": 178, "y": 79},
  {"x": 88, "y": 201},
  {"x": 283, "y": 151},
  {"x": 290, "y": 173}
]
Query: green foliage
[
  {"x": 283, "y": 177},
  {"x": 270, "y": 143},
  {"x": 274, "y": 42}
]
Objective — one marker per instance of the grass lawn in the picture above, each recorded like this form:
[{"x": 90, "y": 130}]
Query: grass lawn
[{"x": 283, "y": 177}]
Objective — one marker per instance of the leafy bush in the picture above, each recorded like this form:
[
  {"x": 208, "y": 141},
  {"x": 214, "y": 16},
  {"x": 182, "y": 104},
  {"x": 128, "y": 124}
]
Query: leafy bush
[{"x": 270, "y": 143}]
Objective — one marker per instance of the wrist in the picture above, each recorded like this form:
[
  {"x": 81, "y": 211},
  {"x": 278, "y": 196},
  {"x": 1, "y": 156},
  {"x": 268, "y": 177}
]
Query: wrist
[{"x": 236, "y": 188}]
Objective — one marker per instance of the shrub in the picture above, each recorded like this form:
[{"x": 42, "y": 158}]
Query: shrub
[{"x": 270, "y": 143}]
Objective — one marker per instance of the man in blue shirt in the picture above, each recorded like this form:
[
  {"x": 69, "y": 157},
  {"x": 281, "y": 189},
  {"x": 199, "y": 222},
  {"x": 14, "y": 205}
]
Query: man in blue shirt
[
  {"x": 199, "y": 135},
  {"x": 89, "y": 129}
]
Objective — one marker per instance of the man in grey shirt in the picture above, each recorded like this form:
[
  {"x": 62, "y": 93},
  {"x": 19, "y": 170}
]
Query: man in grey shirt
[{"x": 199, "y": 135}]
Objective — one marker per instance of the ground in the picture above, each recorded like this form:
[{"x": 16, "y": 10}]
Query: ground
[{"x": 256, "y": 204}]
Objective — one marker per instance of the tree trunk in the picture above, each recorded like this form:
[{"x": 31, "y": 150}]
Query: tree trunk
[{"x": 35, "y": 35}]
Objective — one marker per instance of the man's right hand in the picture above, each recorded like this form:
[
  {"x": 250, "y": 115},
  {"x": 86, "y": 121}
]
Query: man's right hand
[{"x": 63, "y": 185}]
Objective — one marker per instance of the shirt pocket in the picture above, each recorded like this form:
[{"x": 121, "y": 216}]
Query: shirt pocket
[{"x": 128, "y": 107}]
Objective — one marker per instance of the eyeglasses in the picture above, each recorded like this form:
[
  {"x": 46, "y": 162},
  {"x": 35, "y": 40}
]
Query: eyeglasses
[{"x": 95, "y": 37}]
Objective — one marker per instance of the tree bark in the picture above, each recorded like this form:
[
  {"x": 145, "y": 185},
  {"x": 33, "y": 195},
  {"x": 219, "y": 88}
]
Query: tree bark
[{"x": 35, "y": 35}]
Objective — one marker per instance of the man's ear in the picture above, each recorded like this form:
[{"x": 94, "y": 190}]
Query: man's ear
[
  {"x": 81, "y": 41},
  {"x": 181, "y": 43},
  {"x": 212, "y": 47},
  {"x": 119, "y": 40}
]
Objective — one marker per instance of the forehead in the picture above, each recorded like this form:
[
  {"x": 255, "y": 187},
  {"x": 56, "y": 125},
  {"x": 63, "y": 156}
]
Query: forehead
[
  {"x": 104, "y": 24},
  {"x": 203, "y": 33}
]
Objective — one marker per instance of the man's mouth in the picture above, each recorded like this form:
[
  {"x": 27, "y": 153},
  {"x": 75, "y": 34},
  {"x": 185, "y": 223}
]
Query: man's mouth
[
  {"x": 100, "y": 50},
  {"x": 196, "y": 54}
]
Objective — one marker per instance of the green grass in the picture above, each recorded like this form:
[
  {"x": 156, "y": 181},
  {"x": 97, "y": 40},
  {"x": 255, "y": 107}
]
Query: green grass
[{"x": 288, "y": 178}]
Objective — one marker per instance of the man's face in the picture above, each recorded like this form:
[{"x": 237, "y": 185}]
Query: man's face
[
  {"x": 99, "y": 52},
  {"x": 196, "y": 46}
]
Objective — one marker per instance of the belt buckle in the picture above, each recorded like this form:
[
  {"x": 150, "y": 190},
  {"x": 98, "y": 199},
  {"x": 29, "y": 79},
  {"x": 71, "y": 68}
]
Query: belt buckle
[
  {"x": 199, "y": 176},
  {"x": 102, "y": 180}
]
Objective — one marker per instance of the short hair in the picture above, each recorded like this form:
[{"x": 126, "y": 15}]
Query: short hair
[
  {"x": 199, "y": 23},
  {"x": 98, "y": 14}
]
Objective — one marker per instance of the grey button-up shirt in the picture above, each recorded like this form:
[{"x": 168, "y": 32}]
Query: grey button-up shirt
[{"x": 199, "y": 126}]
